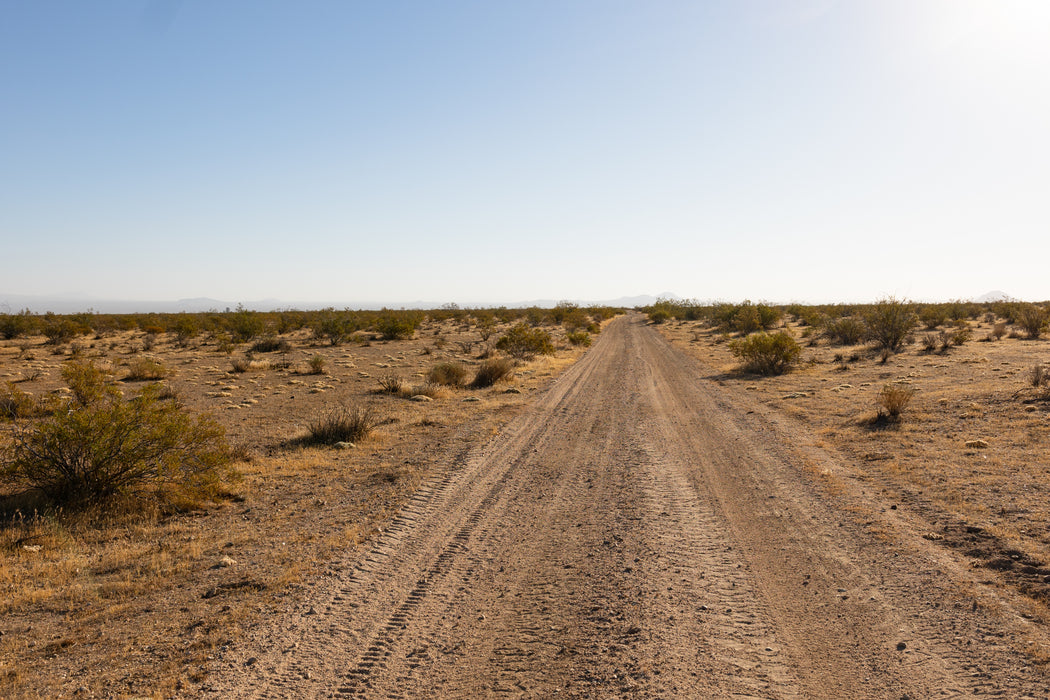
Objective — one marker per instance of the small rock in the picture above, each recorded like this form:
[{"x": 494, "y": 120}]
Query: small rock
[
  {"x": 977, "y": 444},
  {"x": 227, "y": 561},
  {"x": 512, "y": 390},
  {"x": 901, "y": 646},
  {"x": 471, "y": 399},
  {"x": 634, "y": 629},
  {"x": 31, "y": 547},
  {"x": 421, "y": 398},
  {"x": 344, "y": 445},
  {"x": 252, "y": 661}
]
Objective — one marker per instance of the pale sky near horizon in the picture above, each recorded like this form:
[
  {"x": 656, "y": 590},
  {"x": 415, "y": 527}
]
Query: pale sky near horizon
[{"x": 478, "y": 151}]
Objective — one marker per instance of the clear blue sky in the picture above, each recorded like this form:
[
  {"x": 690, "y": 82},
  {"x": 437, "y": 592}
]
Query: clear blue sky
[{"x": 488, "y": 151}]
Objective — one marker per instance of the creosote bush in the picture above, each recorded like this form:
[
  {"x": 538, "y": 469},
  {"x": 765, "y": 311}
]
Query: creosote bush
[
  {"x": 96, "y": 445},
  {"x": 342, "y": 424},
  {"x": 524, "y": 342},
  {"x": 1032, "y": 319},
  {"x": 767, "y": 353},
  {"x": 492, "y": 371},
  {"x": 889, "y": 322},
  {"x": 581, "y": 338}
]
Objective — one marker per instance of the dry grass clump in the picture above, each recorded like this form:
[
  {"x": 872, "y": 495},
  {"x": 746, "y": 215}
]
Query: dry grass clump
[
  {"x": 15, "y": 403},
  {"x": 145, "y": 369},
  {"x": 342, "y": 424},
  {"x": 392, "y": 384},
  {"x": 492, "y": 371},
  {"x": 316, "y": 364},
  {"x": 891, "y": 402},
  {"x": 447, "y": 374}
]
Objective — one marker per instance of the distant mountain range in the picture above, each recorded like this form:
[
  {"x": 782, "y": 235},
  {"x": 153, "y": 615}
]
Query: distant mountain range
[{"x": 13, "y": 303}]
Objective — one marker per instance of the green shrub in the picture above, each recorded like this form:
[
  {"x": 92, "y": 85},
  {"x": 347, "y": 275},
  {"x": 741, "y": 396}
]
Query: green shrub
[
  {"x": 245, "y": 324},
  {"x": 342, "y": 424},
  {"x": 59, "y": 331},
  {"x": 16, "y": 325},
  {"x": 448, "y": 374},
  {"x": 889, "y": 322},
  {"x": 399, "y": 326},
  {"x": 847, "y": 330},
  {"x": 16, "y": 404},
  {"x": 659, "y": 315},
  {"x": 524, "y": 342},
  {"x": 492, "y": 371},
  {"x": 87, "y": 452},
  {"x": 145, "y": 369},
  {"x": 767, "y": 353},
  {"x": 579, "y": 338},
  {"x": 271, "y": 344},
  {"x": 1031, "y": 318},
  {"x": 185, "y": 329}
]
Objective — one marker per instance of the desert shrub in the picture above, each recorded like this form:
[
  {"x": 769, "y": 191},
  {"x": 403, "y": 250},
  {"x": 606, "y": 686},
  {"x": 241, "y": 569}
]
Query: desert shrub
[
  {"x": 933, "y": 315},
  {"x": 87, "y": 452},
  {"x": 316, "y": 364},
  {"x": 335, "y": 327},
  {"x": 271, "y": 344},
  {"x": 492, "y": 371},
  {"x": 999, "y": 330},
  {"x": 767, "y": 353},
  {"x": 889, "y": 322},
  {"x": 185, "y": 329},
  {"x": 15, "y": 403},
  {"x": 959, "y": 334},
  {"x": 59, "y": 330},
  {"x": 240, "y": 365},
  {"x": 392, "y": 384},
  {"x": 245, "y": 324},
  {"x": 146, "y": 369},
  {"x": 659, "y": 314},
  {"x": 1031, "y": 318},
  {"x": 16, "y": 325},
  {"x": 579, "y": 338},
  {"x": 88, "y": 382},
  {"x": 342, "y": 424},
  {"x": 846, "y": 330},
  {"x": 524, "y": 342},
  {"x": 1038, "y": 376},
  {"x": 448, "y": 374},
  {"x": 892, "y": 400},
  {"x": 400, "y": 326}
]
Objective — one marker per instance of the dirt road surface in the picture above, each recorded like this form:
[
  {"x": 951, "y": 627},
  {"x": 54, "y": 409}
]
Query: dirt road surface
[{"x": 639, "y": 531}]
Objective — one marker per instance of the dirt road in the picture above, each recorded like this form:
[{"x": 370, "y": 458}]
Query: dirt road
[{"x": 641, "y": 532}]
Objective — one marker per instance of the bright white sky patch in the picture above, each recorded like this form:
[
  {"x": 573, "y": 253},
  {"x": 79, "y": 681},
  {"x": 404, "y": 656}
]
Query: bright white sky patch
[{"x": 477, "y": 151}]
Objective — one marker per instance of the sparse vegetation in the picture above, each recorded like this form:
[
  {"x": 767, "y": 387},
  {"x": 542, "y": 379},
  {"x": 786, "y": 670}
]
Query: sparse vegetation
[
  {"x": 492, "y": 371},
  {"x": 523, "y": 342},
  {"x": 146, "y": 369},
  {"x": 891, "y": 402},
  {"x": 581, "y": 338},
  {"x": 97, "y": 445},
  {"x": 1032, "y": 319},
  {"x": 316, "y": 364},
  {"x": 343, "y": 424},
  {"x": 448, "y": 374},
  {"x": 767, "y": 353},
  {"x": 889, "y": 322}
]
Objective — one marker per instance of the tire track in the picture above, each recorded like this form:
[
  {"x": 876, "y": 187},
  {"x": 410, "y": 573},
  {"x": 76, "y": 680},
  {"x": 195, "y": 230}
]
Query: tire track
[{"x": 633, "y": 534}]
